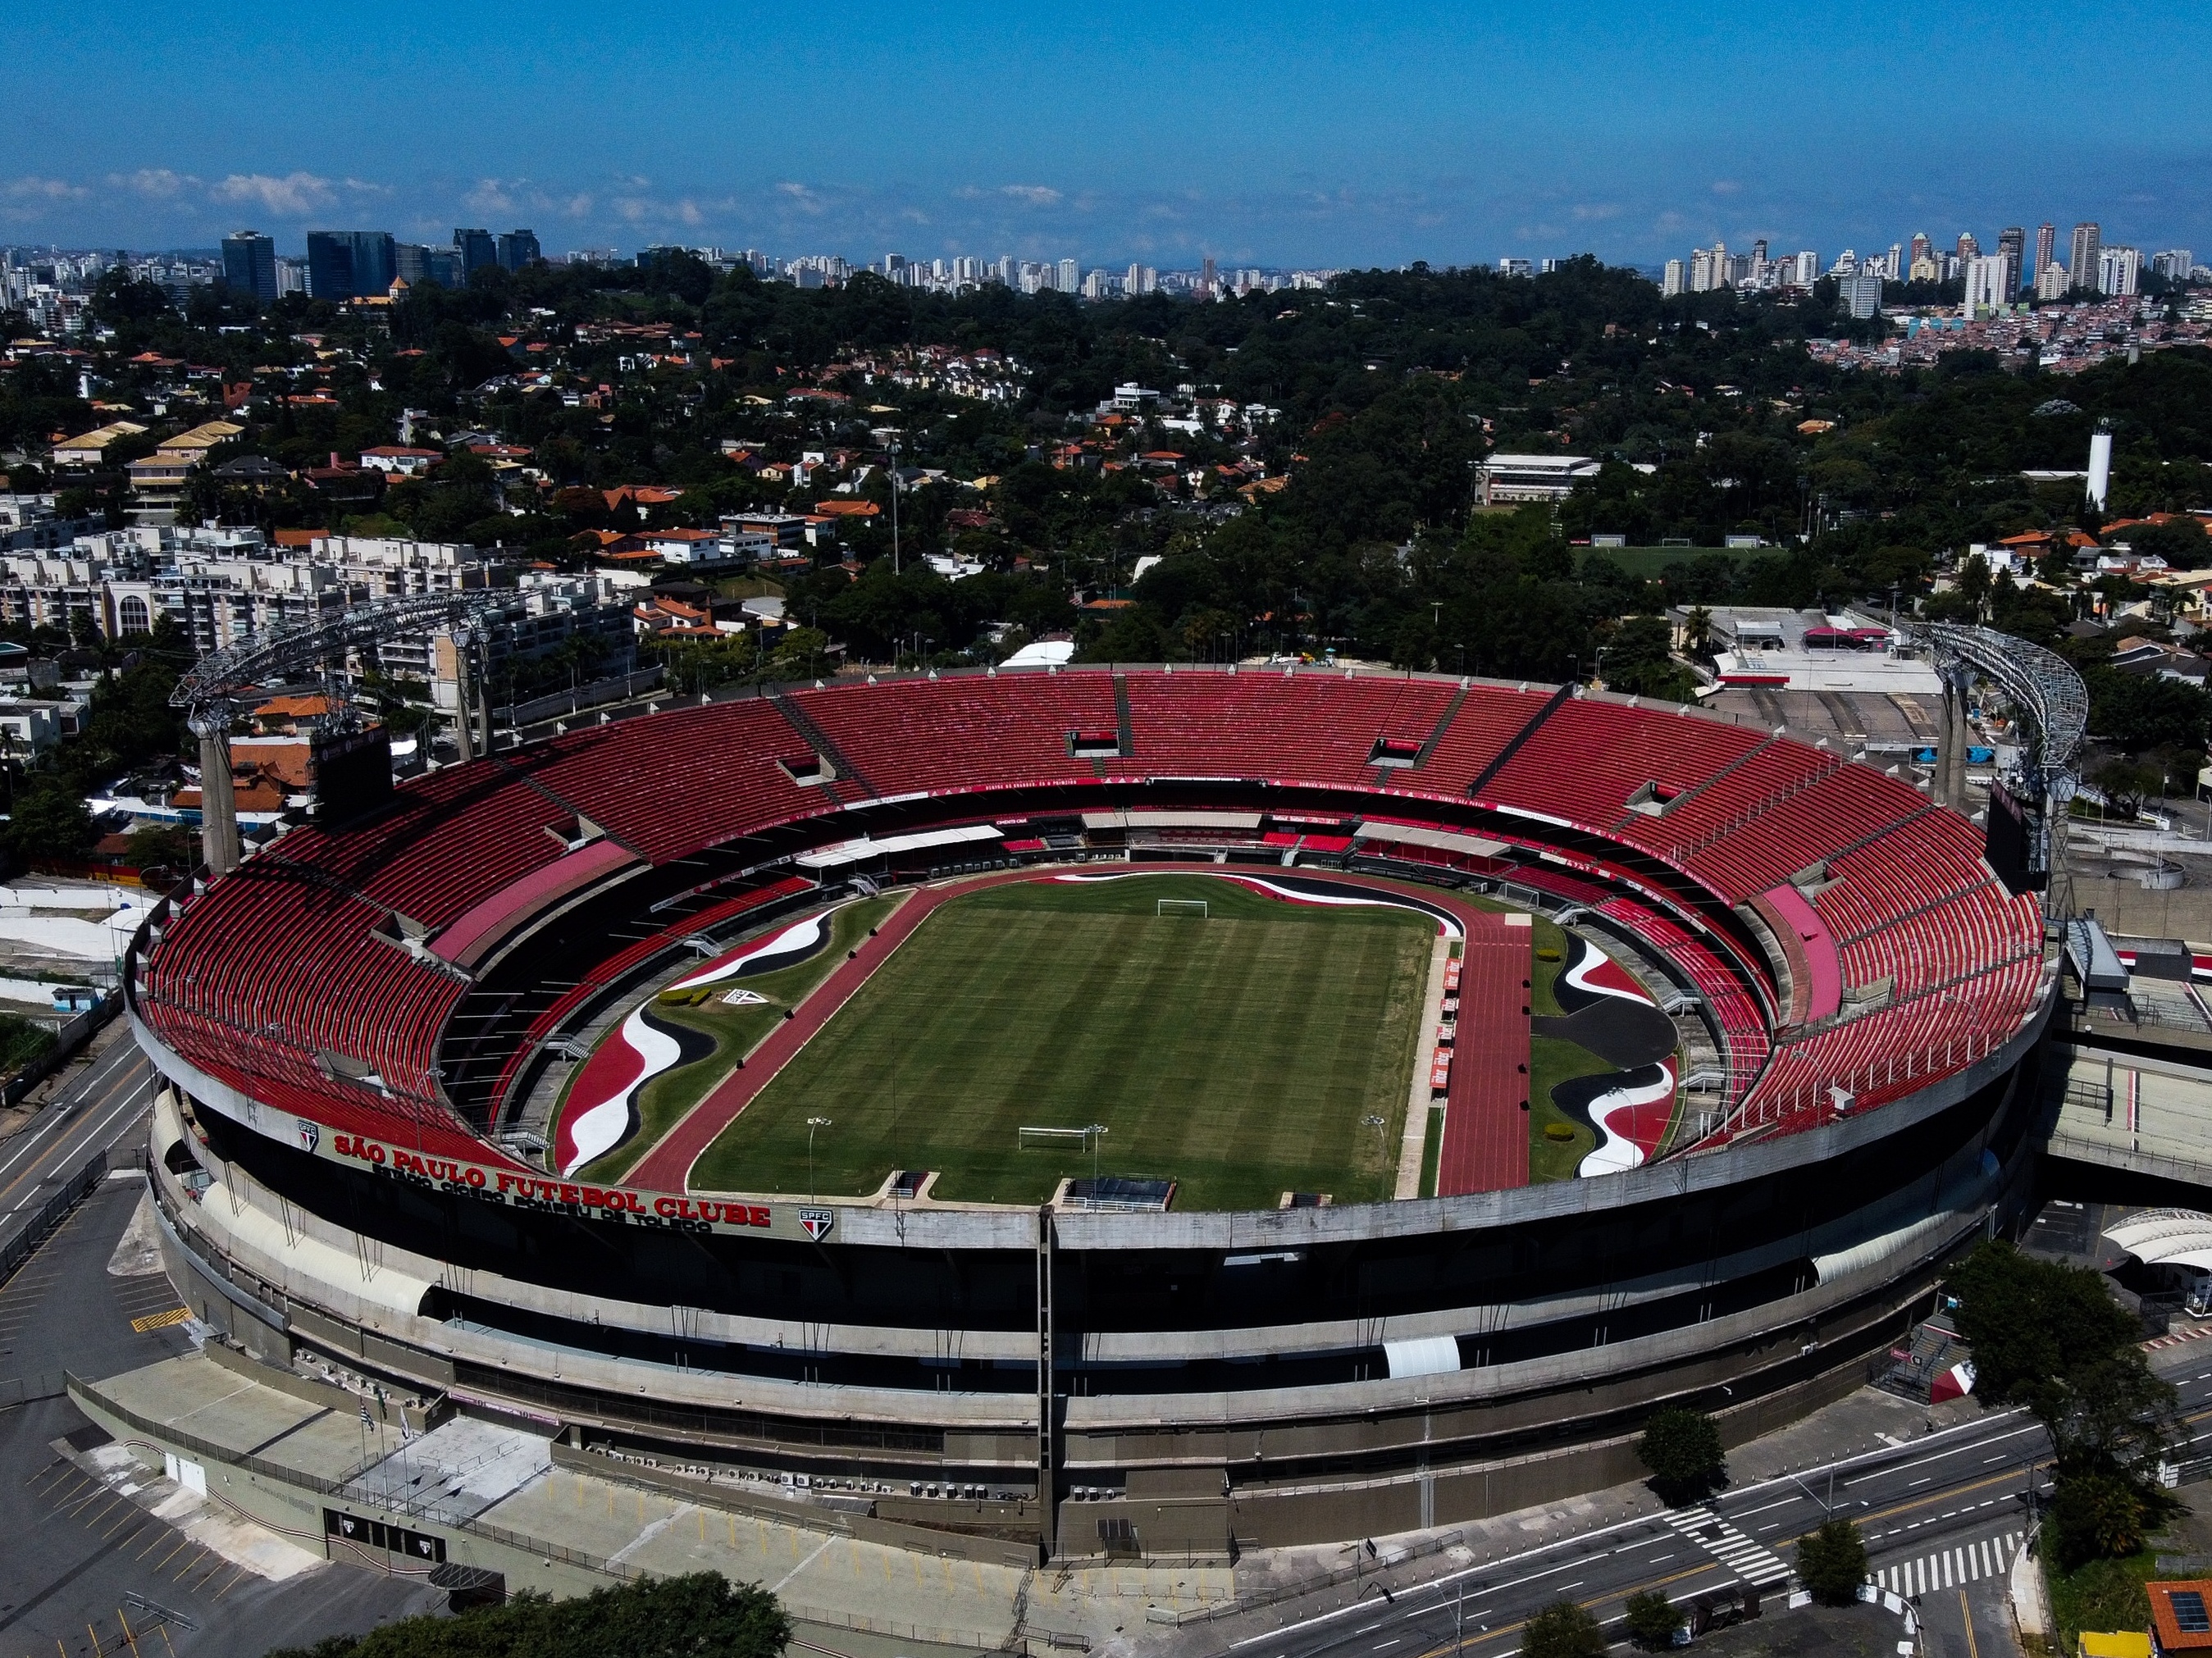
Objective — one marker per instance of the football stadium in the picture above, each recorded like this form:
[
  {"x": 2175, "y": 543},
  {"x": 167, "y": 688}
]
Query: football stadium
[{"x": 1108, "y": 1110}]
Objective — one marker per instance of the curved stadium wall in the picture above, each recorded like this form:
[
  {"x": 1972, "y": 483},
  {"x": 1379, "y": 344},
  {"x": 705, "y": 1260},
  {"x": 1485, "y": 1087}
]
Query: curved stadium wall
[{"x": 350, "y": 1024}]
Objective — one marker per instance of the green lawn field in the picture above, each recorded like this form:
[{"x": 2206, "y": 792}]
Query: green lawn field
[{"x": 1238, "y": 1054}]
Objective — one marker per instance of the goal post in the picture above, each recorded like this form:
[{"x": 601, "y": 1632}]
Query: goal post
[
  {"x": 1029, "y": 1138},
  {"x": 1191, "y": 907}
]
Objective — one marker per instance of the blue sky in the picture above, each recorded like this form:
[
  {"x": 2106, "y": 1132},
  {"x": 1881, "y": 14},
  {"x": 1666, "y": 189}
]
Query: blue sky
[{"x": 1292, "y": 134}]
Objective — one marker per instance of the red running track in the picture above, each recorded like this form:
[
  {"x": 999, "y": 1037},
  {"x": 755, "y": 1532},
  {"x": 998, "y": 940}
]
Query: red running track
[{"x": 1486, "y": 1143}]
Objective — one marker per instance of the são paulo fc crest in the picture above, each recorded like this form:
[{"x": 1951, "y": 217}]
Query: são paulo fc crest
[
  {"x": 310, "y": 1134},
  {"x": 817, "y": 1222}
]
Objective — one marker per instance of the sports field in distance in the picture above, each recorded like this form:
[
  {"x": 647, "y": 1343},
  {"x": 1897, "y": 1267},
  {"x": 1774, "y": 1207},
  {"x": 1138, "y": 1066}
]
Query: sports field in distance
[{"x": 1239, "y": 1054}]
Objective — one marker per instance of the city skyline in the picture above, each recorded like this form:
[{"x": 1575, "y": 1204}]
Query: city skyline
[{"x": 931, "y": 133}]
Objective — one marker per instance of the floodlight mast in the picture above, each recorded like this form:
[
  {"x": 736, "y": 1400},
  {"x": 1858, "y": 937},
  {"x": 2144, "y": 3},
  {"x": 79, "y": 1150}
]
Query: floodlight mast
[{"x": 213, "y": 691}]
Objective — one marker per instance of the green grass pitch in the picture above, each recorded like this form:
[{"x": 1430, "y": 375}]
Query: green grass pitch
[{"x": 1239, "y": 1054}]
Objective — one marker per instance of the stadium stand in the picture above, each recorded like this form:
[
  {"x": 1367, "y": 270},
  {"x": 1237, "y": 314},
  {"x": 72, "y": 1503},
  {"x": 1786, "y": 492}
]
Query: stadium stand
[{"x": 294, "y": 981}]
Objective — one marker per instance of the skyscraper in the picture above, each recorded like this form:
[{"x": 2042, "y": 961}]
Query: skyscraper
[
  {"x": 1676, "y": 280},
  {"x": 476, "y": 249},
  {"x": 249, "y": 264},
  {"x": 1968, "y": 247},
  {"x": 2046, "y": 247},
  {"x": 2119, "y": 272},
  {"x": 2083, "y": 267},
  {"x": 347, "y": 265},
  {"x": 518, "y": 248},
  {"x": 2012, "y": 247},
  {"x": 1206, "y": 285},
  {"x": 1071, "y": 275}
]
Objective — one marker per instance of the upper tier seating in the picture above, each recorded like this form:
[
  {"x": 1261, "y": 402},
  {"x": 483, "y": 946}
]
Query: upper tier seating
[
  {"x": 941, "y": 734},
  {"x": 1584, "y": 762},
  {"x": 674, "y": 782},
  {"x": 1305, "y": 728}
]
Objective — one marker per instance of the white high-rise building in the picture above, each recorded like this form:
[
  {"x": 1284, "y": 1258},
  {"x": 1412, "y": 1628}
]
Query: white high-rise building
[
  {"x": 2119, "y": 272},
  {"x": 2173, "y": 264},
  {"x": 2052, "y": 281},
  {"x": 1989, "y": 284},
  {"x": 1808, "y": 270},
  {"x": 1676, "y": 280},
  {"x": 1140, "y": 279},
  {"x": 1071, "y": 277},
  {"x": 1709, "y": 268}
]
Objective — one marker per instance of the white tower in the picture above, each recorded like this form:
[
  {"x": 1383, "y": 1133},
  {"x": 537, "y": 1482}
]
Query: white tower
[{"x": 2100, "y": 464}]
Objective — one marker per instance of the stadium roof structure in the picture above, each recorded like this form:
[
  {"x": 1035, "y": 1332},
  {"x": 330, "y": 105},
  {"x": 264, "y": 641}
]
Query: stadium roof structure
[{"x": 2041, "y": 682}]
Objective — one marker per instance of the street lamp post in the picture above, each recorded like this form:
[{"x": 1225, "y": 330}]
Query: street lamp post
[
  {"x": 894, "y": 495},
  {"x": 813, "y": 1123}
]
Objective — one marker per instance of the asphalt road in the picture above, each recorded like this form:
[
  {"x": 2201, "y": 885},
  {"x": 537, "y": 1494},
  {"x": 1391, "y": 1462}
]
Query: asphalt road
[
  {"x": 82, "y": 1570},
  {"x": 102, "y": 1101},
  {"x": 1945, "y": 1507}
]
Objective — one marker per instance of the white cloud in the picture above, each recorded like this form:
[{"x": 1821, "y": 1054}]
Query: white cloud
[
  {"x": 293, "y": 196},
  {"x": 1590, "y": 212},
  {"x": 27, "y": 198},
  {"x": 155, "y": 183},
  {"x": 1033, "y": 194},
  {"x": 49, "y": 189},
  {"x": 802, "y": 197},
  {"x": 489, "y": 196},
  {"x": 1726, "y": 187}
]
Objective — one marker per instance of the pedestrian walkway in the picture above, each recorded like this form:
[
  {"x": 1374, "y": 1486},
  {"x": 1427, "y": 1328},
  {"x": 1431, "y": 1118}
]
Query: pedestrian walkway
[
  {"x": 1753, "y": 1562},
  {"x": 1949, "y": 1568}
]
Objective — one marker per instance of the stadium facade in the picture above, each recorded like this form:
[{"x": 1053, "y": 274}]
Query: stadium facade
[{"x": 349, "y": 1026}]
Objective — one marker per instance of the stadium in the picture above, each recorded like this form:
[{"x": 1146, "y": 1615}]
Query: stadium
[{"x": 1110, "y": 1110}]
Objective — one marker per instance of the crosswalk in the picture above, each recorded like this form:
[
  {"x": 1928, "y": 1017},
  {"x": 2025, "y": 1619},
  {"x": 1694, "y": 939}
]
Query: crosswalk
[
  {"x": 1753, "y": 1563},
  {"x": 1949, "y": 1568}
]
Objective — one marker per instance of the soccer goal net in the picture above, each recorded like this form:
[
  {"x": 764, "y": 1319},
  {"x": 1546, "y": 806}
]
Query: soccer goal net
[
  {"x": 1182, "y": 906},
  {"x": 1026, "y": 1138}
]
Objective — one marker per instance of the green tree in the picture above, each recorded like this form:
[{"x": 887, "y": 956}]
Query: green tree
[
  {"x": 2150, "y": 712},
  {"x": 1563, "y": 1629},
  {"x": 1832, "y": 1561},
  {"x": 2051, "y": 1338},
  {"x": 1682, "y": 1448},
  {"x": 49, "y": 820},
  {"x": 702, "y": 1614},
  {"x": 1974, "y": 582},
  {"x": 153, "y": 844},
  {"x": 2126, "y": 783},
  {"x": 2098, "y": 1516},
  {"x": 1652, "y": 1618},
  {"x": 1639, "y": 661}
]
